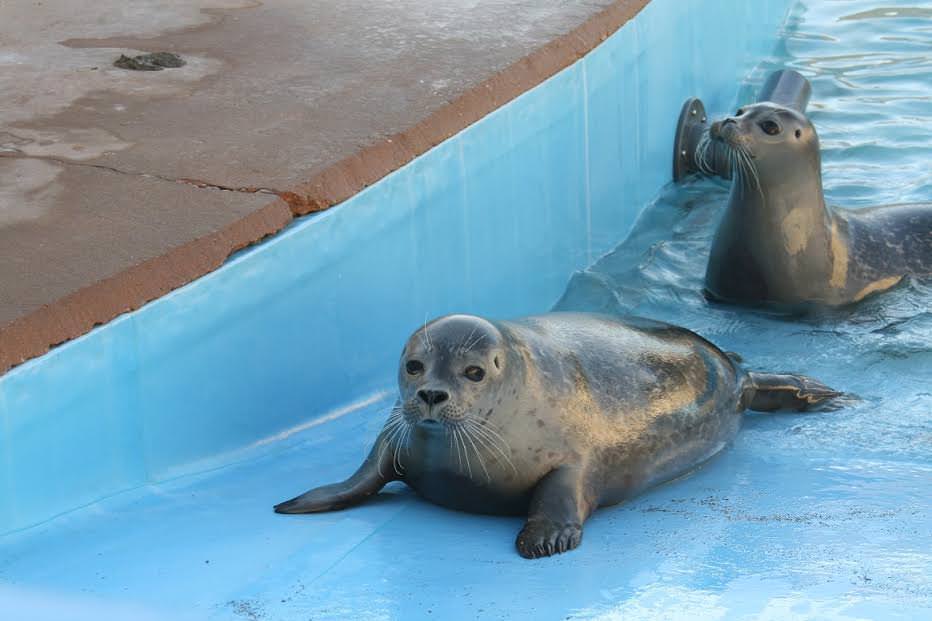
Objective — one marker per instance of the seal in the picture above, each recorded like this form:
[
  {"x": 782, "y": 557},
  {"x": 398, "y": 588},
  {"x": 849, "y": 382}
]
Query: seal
[
  {"x": 555, "y": 415},
  {"x": 779, "y": 244}
]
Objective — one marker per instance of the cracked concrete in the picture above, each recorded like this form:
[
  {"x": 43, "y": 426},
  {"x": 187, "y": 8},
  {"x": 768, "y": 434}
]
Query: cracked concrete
[
  {"x": 197, "y": 183},
  {"x": 283, "y": 108},
  {"x": 94, "y": 235}
]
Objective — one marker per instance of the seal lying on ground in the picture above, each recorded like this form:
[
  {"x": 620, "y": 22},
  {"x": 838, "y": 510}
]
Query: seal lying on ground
[
  {"x": 555, "y": 415},
  {"x": 778, "y": 242}
]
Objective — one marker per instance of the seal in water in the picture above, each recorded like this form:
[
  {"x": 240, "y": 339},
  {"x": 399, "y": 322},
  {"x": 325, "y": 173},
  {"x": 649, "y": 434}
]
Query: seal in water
[
  {"x": 778, "y": 242},
  {"x": 554, "y": 415}
]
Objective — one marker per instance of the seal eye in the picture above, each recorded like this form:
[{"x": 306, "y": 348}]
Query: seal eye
[
  {"x": 414, "y": 367},
  {"x": 474, "y": 373},
  {"x": 770, "y": 128}
]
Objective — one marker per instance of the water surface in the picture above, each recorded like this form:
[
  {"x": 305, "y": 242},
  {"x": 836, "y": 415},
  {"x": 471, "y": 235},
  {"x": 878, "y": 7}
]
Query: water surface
[{"x": 860, "y": 525}]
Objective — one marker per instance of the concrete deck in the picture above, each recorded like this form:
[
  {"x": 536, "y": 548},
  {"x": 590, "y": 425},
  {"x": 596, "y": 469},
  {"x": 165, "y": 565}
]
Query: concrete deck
[{"x": 118, "y": 186}]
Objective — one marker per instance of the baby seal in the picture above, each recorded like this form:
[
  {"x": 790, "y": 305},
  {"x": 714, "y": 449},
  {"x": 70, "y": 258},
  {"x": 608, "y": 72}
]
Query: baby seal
[
  {"x": 555, "y": 415},
  {"x": 778, "y": 242}
]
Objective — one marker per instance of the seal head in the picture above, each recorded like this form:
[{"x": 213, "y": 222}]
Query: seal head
[
  {"x": 450, "y": 371},
  {"x": 767, "y": 139}
]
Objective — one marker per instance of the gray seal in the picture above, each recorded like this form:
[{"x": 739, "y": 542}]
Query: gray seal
[
  {"x": 555, "y": 415},
  {"x": 779, "y": 244}
]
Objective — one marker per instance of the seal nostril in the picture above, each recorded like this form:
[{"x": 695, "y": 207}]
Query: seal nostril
[{"x": 433, "y": 397}]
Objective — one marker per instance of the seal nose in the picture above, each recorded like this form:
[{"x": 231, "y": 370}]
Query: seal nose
[
  {"x": 433, "y": 397},
  {"x": 718, "y": 127}
]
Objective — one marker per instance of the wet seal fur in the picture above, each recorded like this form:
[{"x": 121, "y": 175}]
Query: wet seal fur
[
  {"x": 780, "y": 245},
  {"x": 555, "y": 415}
]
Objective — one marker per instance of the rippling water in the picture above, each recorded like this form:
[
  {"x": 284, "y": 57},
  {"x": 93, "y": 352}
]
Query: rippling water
[{"x": 870, "y": 66}]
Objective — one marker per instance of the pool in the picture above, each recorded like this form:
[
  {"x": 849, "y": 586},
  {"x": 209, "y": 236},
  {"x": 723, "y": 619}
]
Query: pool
[{"x": 242, "y": 389}]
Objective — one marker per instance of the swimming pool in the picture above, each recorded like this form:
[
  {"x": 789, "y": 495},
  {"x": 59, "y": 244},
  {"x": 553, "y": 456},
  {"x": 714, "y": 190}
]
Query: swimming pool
[{"x": 821, "y": 515}]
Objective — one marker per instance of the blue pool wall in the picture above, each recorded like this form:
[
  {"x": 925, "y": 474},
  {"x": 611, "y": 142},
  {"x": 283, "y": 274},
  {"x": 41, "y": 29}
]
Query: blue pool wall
[{"x": 493, "y": 221}]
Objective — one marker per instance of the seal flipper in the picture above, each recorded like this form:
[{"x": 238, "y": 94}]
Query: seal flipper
[
  {"x": 561, "y": 503},
  {"x": 366, "y": 481},
  {"x": 769, "y": 392}
]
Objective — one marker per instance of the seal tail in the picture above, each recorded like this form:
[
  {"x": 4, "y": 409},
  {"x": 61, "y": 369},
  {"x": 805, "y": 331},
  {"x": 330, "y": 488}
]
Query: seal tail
[{"x": 770, "y": 392}]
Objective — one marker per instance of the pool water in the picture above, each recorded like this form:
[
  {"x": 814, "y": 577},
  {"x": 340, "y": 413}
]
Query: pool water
[
  {"x": 819, "y": 516},
  {"x": 861, "y": 523}
]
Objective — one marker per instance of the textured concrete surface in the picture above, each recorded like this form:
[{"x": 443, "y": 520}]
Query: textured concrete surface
[{"x": 103, "y": 168}]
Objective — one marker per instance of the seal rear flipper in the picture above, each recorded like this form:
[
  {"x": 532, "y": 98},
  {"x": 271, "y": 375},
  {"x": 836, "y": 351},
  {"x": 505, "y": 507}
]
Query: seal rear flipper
[
  {"x": 770, "y": 392},
  {"x": 366, "y": 481}
]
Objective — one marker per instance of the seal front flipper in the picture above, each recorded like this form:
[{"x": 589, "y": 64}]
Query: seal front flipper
[
  {"x": 371, "y": 476},
  {"x": 769, "y": 392},
  {"x": 560, "y": 504}
]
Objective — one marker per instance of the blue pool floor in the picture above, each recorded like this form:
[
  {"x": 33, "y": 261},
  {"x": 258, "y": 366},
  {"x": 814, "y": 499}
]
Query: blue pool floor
[{"x": 804, "y": 516}]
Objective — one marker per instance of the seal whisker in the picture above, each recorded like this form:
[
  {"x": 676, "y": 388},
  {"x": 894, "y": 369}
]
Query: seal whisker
[
  {"x": 393, "y": 427},
  {"x": 400, "y": 440},
  {"x": 498, "y": 449},
  {"x": 753, "y": 166},
  {"x": 737, "y": 172},
  {"x": 459, "y": 453},
  {"x": 494, "y": 443},
  {"x": 456, "y": 445},
  {"x": 474, "y": 343},
  {"x": 400, "y": 444},
  {"x": 396, "y": 457},
  {"x": 474, "y": 437},
  {"x": 494, "y": 439},
  {"x": 700, "y": 152},
  {"x": 391, "y": 444},
  {"x": 394, "y": 420},
  {"x": 424, "y": 340},
  {"x": 388, "y": 435},
  {"x": 459, "y": 435},
  {"x": 707, "y": 154},
  {"x": 430, "y": 345},
  {"x": 462, "y": 344},
  {"x": 468, "y": 434},
  {"x": 491, "y": 431},
  {"x": 705, "y": 146},
  {"x": 751, "y": 169},
  {"x": 407, "y": 438}
]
